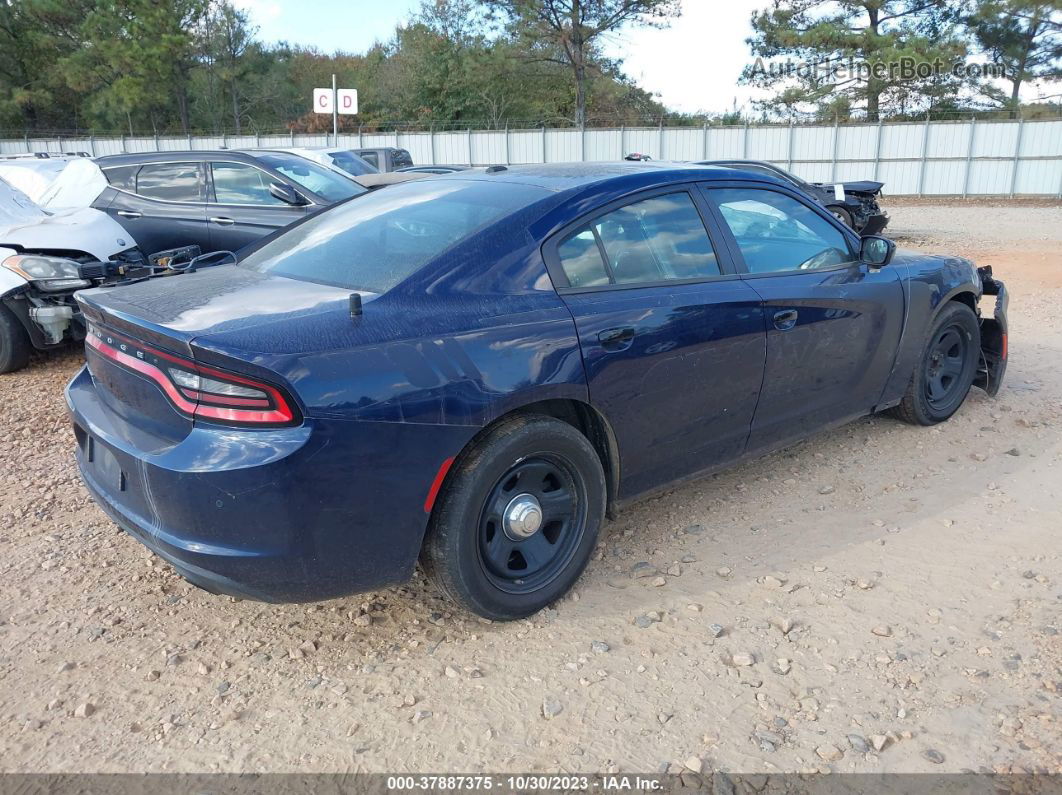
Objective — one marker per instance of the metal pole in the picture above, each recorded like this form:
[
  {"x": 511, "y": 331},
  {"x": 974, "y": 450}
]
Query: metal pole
[
  {"x": 157, "y": 142},
  {"x": 833, "y": 161},
  {"x": 969, "y": 158},
  {"x": 623, "y": 141},
  {"x": 543, "y": 142},
  {"x": 25, "y": 137},
  {"x": 1017, "y": 155},
  {"x": 704, "y": 141},
  {"x": 925, "y": 152},
  {"x": 507, "y": 161},
  {"x": 92, "y": 145},
  {"x": 431, "y": 141},
  {"x": 292, "y": 131},
  {"x": 361, "y": 138},
  {"x": 335, "y": 113},
  {"x": 660, "y": 139},
  {"x": 789, "y": 160},
  {"x": 469, "y": 147},
  {"x": 877, "y": 151},
  {"x": 582, "y": 142},
  {"x": 745, "y": 142}
]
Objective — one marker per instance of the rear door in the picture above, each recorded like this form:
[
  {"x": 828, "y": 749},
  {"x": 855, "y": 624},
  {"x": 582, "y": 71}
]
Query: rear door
[
  {"x": 673, "y": 343},
  {"x": 833, "y": 323},
  {"x": 241, "y": 209},
  {"x": 161, "y": 205}
]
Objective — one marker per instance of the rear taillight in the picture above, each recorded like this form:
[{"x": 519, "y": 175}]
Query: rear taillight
[{"x": 195, "y": 390}]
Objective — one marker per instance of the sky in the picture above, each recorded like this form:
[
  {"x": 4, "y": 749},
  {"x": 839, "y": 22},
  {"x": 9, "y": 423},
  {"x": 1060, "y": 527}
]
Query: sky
[{"x": 693, "y": 65}]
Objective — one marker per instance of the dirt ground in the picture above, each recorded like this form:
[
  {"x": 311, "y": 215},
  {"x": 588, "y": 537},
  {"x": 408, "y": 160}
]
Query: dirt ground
[{"x": 879, "y": 598}]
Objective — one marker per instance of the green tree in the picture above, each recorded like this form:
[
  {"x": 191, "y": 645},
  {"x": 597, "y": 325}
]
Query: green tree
[
  {"x": 826, "y": 35},
  {"x": 1023, "y": 37},
  {"x": 570, "y": 32}
]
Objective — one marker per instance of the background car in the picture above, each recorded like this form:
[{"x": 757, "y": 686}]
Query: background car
[
  {"x": 216, "y": 199},
  {"x": 385, "y": 158},
  {"x": 356, "y": 168},
  {"x": 471, "y": 369},
  {"x": 856, "y": 203}
]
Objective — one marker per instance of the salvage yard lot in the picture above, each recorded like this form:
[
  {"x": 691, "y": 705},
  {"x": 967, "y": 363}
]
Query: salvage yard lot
[{"x": 879, "y": 598}]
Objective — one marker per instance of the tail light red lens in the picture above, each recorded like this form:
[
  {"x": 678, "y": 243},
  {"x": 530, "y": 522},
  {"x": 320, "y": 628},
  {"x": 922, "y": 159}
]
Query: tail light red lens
[{"x": 196, "y": 390}]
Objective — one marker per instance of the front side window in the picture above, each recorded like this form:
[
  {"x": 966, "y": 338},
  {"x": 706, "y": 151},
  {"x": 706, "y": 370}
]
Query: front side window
[
  {"x": 658, "y": 239},
  {"x": 239, "y": 183},
  {"x": 777, "y": 233},
  {"x": 327, "y": 183},
  {"x": 172, "y": 182}
]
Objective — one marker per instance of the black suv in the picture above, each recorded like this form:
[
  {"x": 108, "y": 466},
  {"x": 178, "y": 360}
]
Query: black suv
[{"x": 218, "y": 200}]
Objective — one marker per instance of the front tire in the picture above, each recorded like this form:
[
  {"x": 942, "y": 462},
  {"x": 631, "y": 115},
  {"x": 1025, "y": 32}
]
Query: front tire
[
  {"x": 14, "y": 342},
  {"x": 945, "y": 370},
  {"x": 518, "y": 519},
  {"x": 843, "y": 216}
]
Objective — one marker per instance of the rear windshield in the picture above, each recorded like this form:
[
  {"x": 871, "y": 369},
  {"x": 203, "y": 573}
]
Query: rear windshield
[{"x": 375, "y": 241}]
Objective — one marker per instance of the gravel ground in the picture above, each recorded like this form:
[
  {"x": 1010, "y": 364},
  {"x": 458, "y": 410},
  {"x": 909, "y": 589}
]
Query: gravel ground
[{"x": 879, "y": 598}]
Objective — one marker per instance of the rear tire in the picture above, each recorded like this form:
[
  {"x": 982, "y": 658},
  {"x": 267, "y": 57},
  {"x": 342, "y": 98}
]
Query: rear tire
[
  {"x": 518, "y": 519},
  {"x": 14, "y": 342},
  {"x": 945, "y": 371}
]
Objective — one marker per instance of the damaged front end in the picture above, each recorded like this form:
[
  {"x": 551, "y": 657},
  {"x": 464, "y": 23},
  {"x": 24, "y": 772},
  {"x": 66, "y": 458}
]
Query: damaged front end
[{"x": 993, "y": 364}]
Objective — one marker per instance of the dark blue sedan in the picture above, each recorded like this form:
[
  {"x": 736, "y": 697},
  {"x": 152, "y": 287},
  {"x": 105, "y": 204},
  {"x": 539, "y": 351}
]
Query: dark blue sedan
[{"x": 474, "y": 369}]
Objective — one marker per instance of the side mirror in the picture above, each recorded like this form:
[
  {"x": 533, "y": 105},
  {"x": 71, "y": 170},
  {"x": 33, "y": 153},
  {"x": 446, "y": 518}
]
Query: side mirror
[
  {"x": 875, "y": 250},
  {"x": 286, "y": 194}
]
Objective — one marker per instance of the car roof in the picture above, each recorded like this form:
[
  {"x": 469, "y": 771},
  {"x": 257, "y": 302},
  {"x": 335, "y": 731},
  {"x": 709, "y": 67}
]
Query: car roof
[
  {"x": 132, "y": 158},
  {"x": 562, "y": 177}
]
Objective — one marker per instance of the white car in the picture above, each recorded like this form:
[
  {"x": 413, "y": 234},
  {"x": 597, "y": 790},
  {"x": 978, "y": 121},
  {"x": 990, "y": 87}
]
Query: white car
[
  {"x": 346, "y": 161},
  {"x": 45, "y": 257}
]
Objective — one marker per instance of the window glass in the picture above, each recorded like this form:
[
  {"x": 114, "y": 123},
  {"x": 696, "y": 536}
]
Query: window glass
[
  {"x": 380, "y": 239},
  {"x": 327, "y": 183},
  {"x": 581, "y": 260},
  {"x": 122, "y": 177},
  {"x": 239, "y": 183},
  {"x": 778, "y": 233},
  {"x": 173, "y": 182},
  {"x": 352, "y": 164},
  {"x": 370, "y": 158},
  {"x": 400, "y": 158}
]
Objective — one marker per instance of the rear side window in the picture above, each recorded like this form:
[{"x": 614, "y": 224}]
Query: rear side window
[
  {"x": 657, "y": 239},
  {"x": 122, "y": 177},
  {"x": 377, "y": 240},
  {"x": 401, "y": 158},
  {"x": 172, "y": 182}
]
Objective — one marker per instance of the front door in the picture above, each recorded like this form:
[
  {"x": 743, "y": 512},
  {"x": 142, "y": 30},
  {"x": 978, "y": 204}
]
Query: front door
[
  {"x": 241, "y": 208},
  {"x": 833, "y": 324},
  {"x": 673, "y": 344}
]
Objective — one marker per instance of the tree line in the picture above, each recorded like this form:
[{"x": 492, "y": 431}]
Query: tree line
[{"x": 190, "y": 66}]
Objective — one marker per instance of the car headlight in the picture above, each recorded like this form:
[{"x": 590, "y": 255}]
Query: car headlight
[{"x": 50, "y": 274}]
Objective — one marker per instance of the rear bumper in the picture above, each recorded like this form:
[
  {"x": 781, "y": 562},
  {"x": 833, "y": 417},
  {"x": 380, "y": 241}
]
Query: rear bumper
[{"x": 322, "y": 510}]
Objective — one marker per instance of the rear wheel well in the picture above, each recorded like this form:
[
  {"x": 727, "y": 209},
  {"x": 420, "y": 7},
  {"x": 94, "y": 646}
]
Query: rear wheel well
[{"x": 585, "y": 419}]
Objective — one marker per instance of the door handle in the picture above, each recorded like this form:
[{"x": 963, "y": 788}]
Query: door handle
[
  {"x": 616, "y": 339},
  {"x": 785, "y": 320},
  {"x": 221, "y": 220},
  {"x": 130, "y": 214}
]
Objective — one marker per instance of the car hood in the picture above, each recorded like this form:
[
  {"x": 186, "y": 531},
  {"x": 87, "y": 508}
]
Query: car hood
[
  {"x": 91, "y": 231},
  {"x": 865, "y": 186}
]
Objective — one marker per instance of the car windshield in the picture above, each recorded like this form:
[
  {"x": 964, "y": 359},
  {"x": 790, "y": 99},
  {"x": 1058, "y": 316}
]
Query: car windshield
[
  {"x": 374, "y": 243},
  {"x": 352, "y": 164},
  {"x": 325, "y": 182}
]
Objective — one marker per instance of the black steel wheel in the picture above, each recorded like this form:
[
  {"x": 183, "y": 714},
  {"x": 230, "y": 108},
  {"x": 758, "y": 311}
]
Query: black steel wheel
[
  {"x": 945, "y": 372},
  {"x": 517, "y": 520}
]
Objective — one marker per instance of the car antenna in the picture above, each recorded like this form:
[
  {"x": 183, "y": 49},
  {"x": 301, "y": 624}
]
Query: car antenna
[{"x": 355, "y": 304}]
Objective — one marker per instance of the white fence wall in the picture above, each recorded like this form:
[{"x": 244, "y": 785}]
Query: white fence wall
[{"x": 923, "y": 158}]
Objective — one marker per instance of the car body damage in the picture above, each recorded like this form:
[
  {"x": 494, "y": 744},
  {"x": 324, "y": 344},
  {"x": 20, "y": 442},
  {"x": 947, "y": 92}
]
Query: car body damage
[{"x": 993, "y": 365}]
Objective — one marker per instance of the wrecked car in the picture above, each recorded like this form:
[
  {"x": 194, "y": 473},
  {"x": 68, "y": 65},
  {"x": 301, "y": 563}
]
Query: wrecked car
[
  {"x": 45, "y": 257},
  {"x": 853, "y": 203},
  {"x": 472, "y": 370}
]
